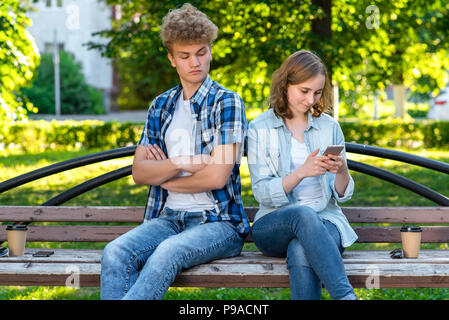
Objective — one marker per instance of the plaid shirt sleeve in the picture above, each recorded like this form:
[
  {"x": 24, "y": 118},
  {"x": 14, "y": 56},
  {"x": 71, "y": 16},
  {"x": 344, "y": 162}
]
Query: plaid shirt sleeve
[{"x": 231, "y": 124}]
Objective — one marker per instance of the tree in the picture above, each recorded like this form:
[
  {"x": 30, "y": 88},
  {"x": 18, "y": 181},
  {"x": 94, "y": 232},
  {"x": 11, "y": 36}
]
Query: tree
[
  {"x": 19, "y": 57},
  {"x": 360, "y": 43},
  {"x": 77, "y": 97},
  {"x": 406, "y": 47}
]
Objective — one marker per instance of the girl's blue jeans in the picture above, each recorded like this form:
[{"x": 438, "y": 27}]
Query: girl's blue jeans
[{"x": 312, "y": 247}]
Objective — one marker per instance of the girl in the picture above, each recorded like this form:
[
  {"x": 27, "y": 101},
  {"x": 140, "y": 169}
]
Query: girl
[{"x": 297, "y": 187}]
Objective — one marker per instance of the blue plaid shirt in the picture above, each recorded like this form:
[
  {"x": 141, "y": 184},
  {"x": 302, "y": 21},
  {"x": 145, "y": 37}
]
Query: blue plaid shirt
[{"x": 220, "y": 119}]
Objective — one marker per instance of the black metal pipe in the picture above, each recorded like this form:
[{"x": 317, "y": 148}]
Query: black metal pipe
[
  {"x": 397, "y": 155},
  {"x": 84, "y": 187},
  {"x": 66, "y": 165},
  {"x": 88, "y": 185},
  {"x": 400, "y": 181}
]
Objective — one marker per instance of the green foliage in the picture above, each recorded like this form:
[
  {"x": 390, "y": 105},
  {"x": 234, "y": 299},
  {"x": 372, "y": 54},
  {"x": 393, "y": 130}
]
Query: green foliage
[
  {"x": 398, "y": 133},
  {"x": 406, "y": 47},
  {"x": 408, "y": 44},
  {"x": 77, "y": 97},
  {"x": 19, "y": 57},
  {"x": 37, "y": 136}
]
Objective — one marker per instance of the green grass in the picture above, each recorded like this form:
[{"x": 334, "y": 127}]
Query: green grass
[{"x": 369, "y": 192}]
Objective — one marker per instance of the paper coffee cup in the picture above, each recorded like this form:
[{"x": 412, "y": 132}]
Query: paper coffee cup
[
  {"x": 17, "y": 235},
  {"x": 411, "y": 241}
]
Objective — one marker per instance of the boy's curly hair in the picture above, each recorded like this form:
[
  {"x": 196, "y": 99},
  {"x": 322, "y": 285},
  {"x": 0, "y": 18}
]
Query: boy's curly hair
[{"x": 187, "y": 25}]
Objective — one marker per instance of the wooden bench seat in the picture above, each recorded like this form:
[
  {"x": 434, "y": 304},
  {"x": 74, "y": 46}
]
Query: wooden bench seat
[
  {"x": 250, "y": 269},
  {"x": 372, "y": 268}
]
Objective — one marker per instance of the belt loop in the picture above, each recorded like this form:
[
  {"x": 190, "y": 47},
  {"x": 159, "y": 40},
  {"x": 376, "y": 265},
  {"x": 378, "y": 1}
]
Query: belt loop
[{"x": 181, "y": 218}]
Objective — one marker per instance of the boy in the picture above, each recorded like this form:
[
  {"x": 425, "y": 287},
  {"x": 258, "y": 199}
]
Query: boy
[{"x": 188, "y": 153}]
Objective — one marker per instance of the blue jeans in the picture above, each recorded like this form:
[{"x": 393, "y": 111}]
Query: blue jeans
[
  {"x": 143, "y": 263},
  {"x": 313, "y": 249}
]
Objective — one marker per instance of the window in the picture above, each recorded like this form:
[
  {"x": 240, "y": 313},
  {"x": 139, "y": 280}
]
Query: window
[
  {"x": 51, "y": 3},
  {"x": 49, "y": 47}
]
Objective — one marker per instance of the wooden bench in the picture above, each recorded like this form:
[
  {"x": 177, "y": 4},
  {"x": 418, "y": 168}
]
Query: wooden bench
[{"x": 365, "y": 268}]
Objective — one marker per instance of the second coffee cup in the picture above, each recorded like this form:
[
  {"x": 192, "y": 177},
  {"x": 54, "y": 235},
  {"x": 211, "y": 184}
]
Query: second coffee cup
[
  {"x": 411, "y": 241},
  {"x": 16, "y": 234}
]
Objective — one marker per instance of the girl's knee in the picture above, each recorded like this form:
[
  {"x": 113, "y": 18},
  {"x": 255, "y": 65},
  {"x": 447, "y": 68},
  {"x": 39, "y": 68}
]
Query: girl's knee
[{"x": 305, "y": 214}]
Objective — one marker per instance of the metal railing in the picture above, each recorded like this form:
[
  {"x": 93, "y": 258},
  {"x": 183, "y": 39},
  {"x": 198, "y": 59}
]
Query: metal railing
[
  {"x": 129, "y": 151},
  {"x": 396, "y": 179}
]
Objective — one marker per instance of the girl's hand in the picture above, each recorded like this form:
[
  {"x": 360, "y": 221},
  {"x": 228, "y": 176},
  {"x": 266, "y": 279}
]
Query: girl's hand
[
  {"x": 314, "y": 165},
  {"x": 336, "y": 164}
]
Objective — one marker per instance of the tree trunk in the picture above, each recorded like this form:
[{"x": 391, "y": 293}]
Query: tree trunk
[
  {"x": 336, "y": 102},
  {"x": 321, "y": 28},
  {"x": 399, "y": 100}
]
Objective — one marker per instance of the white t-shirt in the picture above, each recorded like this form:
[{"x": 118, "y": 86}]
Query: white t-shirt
[
  {"x": 308, "y": 191},
  {"x": 180, "y": 141}
]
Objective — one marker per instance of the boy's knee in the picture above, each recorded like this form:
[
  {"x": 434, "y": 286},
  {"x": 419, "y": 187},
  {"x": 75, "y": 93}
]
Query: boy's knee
[{"x": 110, "y": 252}]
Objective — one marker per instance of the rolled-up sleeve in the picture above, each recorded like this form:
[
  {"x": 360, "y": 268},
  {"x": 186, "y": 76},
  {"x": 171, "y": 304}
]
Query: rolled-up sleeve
[
  {"x": 266, "y": 183},
  {"x": 230, "y": 123},
  {"x": 348, "y": 192}
]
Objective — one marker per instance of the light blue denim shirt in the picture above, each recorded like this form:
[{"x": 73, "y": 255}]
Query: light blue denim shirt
[{"x": 269, "y": 160}]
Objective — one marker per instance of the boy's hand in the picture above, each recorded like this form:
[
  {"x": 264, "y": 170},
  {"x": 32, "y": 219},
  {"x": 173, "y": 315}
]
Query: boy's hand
[{"x": 154, "y": 152}]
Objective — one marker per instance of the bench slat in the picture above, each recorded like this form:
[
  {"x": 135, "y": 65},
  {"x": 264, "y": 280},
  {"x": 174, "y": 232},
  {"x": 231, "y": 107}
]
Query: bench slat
[
  {"x": 250, "y": 269},
  {"x": 370, "y": 234},
  {"x": 246, "y": 257},
  {"x": 71, "y": 233},
  {"x": 71, "y": 214},
  {"x": 430, "y": 234},
  {"x": 425, "y": 215}
]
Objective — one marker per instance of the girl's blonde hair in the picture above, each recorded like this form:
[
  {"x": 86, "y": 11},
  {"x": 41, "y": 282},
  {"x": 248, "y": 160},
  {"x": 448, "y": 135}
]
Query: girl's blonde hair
[
  {"x": 297, "y": 68},
  {"x": 187, "y": 25}
]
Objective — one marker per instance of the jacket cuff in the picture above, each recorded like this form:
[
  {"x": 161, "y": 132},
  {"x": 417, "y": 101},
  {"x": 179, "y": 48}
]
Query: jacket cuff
[{"x": 348, "y": 192}]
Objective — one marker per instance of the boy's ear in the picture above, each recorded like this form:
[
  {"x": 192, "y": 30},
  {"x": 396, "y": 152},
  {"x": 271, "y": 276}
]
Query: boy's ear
[{"x": 172, "y": 60}]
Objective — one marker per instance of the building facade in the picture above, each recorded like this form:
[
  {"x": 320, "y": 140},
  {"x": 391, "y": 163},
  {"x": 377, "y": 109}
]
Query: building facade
[{"x": 71, "y": 23}]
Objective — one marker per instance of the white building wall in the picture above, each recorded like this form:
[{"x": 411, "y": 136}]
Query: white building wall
[{"x": 74, "y": 22}]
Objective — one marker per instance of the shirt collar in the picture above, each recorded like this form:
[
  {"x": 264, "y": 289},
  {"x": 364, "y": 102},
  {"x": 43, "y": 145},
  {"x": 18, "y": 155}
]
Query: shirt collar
[
  {"x": 200, "y": 94},
  {"x": 311, "y": 122}
]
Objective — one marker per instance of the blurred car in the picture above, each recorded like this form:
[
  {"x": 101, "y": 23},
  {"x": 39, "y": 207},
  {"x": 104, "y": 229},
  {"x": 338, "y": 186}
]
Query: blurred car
[{"x": 439, "y": 106}]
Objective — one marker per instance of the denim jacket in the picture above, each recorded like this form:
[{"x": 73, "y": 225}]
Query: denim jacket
[{"x": 269, "y": 160}]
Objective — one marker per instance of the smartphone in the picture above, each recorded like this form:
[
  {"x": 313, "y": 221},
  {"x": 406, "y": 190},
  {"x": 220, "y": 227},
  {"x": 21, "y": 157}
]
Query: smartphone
[
  {"x": 336, "y": 150},
  {"x": 43, "y": 253}
]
